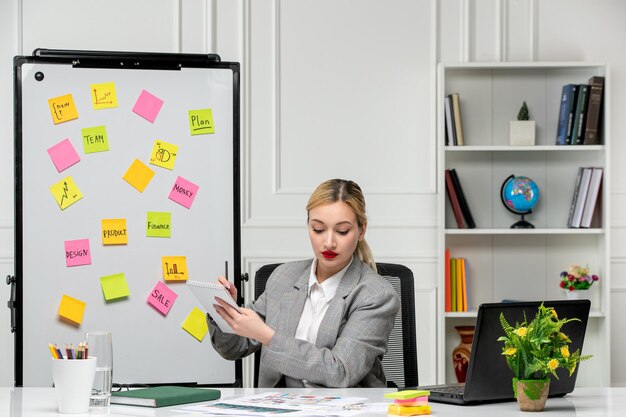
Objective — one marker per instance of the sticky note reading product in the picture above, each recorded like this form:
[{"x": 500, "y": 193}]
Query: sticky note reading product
[
  {"x": 114, "y": 287},
  {"x": 63, "y": 155},
  {"x": 159, "y": 224},
  {"x": 174, "y": 268},
  {"x": 201, "y": 122},
  {"x": 66, "y": 192},
  {"x": 103, "y": 96},
  {"x": 114, "y": 232},
  {"x": 72, "y": 309},
  {"x": 63, "y": 109},
  {"x": 195, "y": 324},
  {"x": 183, "y": 192},
  {"x": 162, "y": 298},
  {"x": 95, "y": 139},
  {"x": 163, "y": 154},
  {"x": 139, "y": 175},
  {"x": 77, "y": 252},
  {"x": 148, "y": 106}
]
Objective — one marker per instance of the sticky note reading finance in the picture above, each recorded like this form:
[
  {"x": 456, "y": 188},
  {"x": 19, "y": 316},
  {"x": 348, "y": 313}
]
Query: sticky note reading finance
[
  {"x": 163, "y": 154},
  {"x": 63, "y": 109},
  {"x": 162, "y": 298},
  {"x": 139, "y": 175},
  {"x": 77, "y": 252},
  {"x": 103, "y": 96},
  {"x": 201, "y": 122},
  {"x": 114, "y": 232},
  {"x": 63, "y": 155},
  {"x": 114, "y": 287},
  {"x": 66, "y": 192},
  {"x": 195, "y": 324},
  {"x": 183, "y": 192},
  {"x": 95, "y": 139},
  {"x": 174, "y": 268},
  {"x": 159, "y": 224},
  {"x": 148, "y": 106},
  {"x": 72, "y": 309}
]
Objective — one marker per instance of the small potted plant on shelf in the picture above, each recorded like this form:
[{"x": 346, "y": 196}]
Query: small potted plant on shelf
[
  {"x": 534, "y": 351},
  {"x": 522, "y": 130},
  {"x": 576, "y": 280}
]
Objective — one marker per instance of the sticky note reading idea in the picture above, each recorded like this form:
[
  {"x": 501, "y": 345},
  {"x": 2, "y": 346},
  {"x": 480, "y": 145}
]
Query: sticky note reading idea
[
  {"x": 95, "y": 139},
  {"x": 162, "y": 298},
  {"x": 183, "y": 192},
  {"x": 63, "y": 109},
  {"x": 77, "y": 252},
  {"x": 114, "y": 232},
  {"x": 148, "y": 106},
  {"x": 103, "y": 96},
  {"x": 163, "y": 154},
  {"x": 66, "y": 192},
  {"x": 195, "y": 324},
  {"x": 174, "y": 268},
  {"x": 72, "y": 309},
  {"x": 201, "y": 122},
  {"x": 114, "y": 287},
  {"x": 159, "y": 224},
  {"x": 63, "y": 155},
  {"x": 138, "y": 175}
]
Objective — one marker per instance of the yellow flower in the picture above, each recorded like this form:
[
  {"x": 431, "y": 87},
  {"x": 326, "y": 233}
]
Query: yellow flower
[
  {"x": 521, "y": 332},
  {"x": 565, "y": 352},
  {"x": 556, "y": 316},
  {"x": 563, "y": 336},
  {"x": 510, "y": 351},
  {"x": 553, "y": 364}
]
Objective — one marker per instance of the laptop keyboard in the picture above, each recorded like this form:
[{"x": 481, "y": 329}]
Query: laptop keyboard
[{"x": 452, "y": 389}]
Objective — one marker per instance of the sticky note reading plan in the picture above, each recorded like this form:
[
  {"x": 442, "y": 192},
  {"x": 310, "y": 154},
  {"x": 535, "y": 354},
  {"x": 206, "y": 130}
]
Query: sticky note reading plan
[
  {"x": 195, "y": 324},
  {"x": 62, "y": 109},
  {"x": 201, "y": 122},
  {"x": 77, "y": 252},
  {"x": 66, "y": 192},
  {"x": 114, "y": 287},
  {"x": 114, "y": 232},
  {"x": 162, "y": 298},
  {"x": 159, "y": 224},
  {"x": 183, "y": 192},
  {"x": 95, "y": 139},
  {"x": 139, "y": 175},
  {"x": 103, "y": 96},
  {"x": 163, "y": 154},
  {"x": 148, "y": 106},
  {"x": 63, "y": 155},
  {"x": 72, "y": 309},
  {"x": 174, "y": 268}
]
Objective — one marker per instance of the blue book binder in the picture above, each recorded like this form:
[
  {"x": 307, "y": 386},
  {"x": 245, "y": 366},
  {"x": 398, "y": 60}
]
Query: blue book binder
[{"x": 566, "y": 114}]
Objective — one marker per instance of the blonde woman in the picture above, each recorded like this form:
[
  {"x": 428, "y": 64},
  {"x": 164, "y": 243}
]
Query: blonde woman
[{"x": 320, "y": 322}]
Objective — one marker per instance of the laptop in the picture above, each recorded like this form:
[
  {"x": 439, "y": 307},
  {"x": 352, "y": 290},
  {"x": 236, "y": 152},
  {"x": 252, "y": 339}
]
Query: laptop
[{"x": 489, "y": 379}]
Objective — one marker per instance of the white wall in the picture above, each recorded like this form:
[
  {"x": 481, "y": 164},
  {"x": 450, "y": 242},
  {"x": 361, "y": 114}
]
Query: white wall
[{"x": 333, "y": 88}]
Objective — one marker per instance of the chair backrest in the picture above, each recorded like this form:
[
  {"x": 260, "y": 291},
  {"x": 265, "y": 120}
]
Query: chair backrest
[{"x": 400, "y": 361}]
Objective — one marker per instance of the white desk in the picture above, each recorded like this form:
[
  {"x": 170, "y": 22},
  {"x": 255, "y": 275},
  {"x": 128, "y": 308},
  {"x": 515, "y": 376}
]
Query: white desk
[{"x": 584, "y": 402}]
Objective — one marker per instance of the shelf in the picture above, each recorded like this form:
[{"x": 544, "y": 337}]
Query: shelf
[
  {"x": 509, "y": 231},
  {"x": 537, "y": 148},
  {"x": 474, "y": 314}
]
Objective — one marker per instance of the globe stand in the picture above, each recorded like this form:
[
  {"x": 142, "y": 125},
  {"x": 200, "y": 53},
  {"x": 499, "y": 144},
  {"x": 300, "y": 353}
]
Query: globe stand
[{"x": 523, "y": 223}]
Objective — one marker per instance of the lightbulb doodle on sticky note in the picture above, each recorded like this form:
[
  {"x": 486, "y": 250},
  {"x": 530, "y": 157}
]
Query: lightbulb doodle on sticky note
[
  {"x": 66, "y": 192},
  {"x": 63, "y": 155},
  {"x": 162, "y": 298},
  {"x": 103, "y": 96},
  {"x": 183, "y": 192},
  {"x": 159, "y": 224},
  {"x": 195, "y": 324},
  {"x": 114, "y": 287},
  {"x": 114, "y": 232},
  {"x": 174, "y": 268},
  {"x": 163, "y": 154},
  {"x": 148, "y": 106},
  {"x": 72, "y": 309},
  {"x": 77, "y": 252},
  {"x": 201, "y": 122},
  {"x": 138, "y": 175},
  {"x": 62, "y": 109},
  {"x": 95, "y": 139}
]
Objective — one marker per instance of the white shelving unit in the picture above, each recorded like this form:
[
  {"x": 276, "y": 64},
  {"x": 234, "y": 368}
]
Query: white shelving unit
[{"x": 521, "y": 264}]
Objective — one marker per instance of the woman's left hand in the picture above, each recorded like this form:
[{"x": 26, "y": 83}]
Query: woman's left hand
[{"x": 245, "y": 323}]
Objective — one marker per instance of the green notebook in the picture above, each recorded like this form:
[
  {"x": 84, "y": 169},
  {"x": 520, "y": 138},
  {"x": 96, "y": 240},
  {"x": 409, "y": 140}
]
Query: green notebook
[{"x": 164, "y": 396}]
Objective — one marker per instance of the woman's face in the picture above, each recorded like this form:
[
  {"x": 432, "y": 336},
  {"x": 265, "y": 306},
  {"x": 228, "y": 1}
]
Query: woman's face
[{"x": 334, "y": 234}]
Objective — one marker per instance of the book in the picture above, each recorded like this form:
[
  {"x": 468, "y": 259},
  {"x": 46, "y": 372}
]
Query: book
[
  {"x": 566, "y": 114},
  {"x": 592, "y": 197},
  {"x": 449, "y": 116},
  {"x": 583, "y": 187},
  {"x": 453, "y": 284},
  {"x": 459, "y": 284},
  {"x": 575, "y": 195},
  {"x": 467, "y": 214},
  {"x": 464, "y": 283},
  {"x": 164, "y": 396},
  {"x": 578, "y": 131},
  {"x": 447, "y": 280},
  {"x": 594, "y": 111},
  {"x": 456, "y": 111},
  {"x": 454, "y": 200},
  {"x": 206, "y": 292}
]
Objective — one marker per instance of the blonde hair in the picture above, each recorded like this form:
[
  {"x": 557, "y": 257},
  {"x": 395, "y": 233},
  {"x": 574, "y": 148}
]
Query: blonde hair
[{"x": 350, "y": 193}]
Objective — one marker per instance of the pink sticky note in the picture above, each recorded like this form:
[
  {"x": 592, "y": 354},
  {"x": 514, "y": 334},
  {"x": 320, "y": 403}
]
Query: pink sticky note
[
  {"x": 162, "y": 298},
  {"x": 77, "y": 252},
  {"x": 63, "y": 155},
  {"x": 148, "y": 106},
  {"x": 183, "y": 192}
]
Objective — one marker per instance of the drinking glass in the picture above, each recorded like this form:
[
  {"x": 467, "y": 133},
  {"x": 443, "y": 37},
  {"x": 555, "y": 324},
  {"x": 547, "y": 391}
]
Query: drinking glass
[{"x": 100, "y": 346}]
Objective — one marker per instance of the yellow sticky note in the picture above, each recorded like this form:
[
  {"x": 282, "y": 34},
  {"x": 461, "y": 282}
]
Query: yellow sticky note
[
  {"x": 403, "y": 395},
  {"x": 195, "y": 324},
  {"x": 114, "y": 232},
  {"x": 400, "y": 410},
  {"x": 139, "y": 175},
  {"x": 63, "y": 109},
  {"x": 114, "y": 287},
  {"x": 201, "y": 122},
  {"x": 72, "y": 309},
  {"x": 174, "y": 268},
  {"x": 66, "y": 192},
  {"x": 163, "y": 154},
  {"x": 159, "y": 224},
  {"x": 95, "y": 139},
  {"x": 103, "y": 96}
]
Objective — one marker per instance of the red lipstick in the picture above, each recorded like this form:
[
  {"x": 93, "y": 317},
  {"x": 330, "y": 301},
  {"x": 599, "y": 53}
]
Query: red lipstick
[{"x": 329, "y": 254}]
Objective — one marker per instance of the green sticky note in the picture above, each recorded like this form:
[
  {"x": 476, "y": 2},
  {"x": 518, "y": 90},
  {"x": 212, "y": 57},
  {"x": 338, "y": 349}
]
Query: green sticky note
[
  {"x": 201, "y": 122},
  {"x": 95, "y": 139},
  {"x": 114, "y": 287},
  {"x": 406, "y": 394},
  {"x": 159, "y": 224}
]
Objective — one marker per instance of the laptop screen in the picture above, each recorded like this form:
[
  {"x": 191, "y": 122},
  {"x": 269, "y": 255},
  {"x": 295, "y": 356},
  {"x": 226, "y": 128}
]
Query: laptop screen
[{"x": 488, "y": 376}]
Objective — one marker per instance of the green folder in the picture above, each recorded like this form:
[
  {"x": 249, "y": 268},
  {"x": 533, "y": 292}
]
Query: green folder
[{"x": 164, "y": 396}]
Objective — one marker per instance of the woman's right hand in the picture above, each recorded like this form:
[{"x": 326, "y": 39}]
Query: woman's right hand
[{"x": 230, "y": 287}]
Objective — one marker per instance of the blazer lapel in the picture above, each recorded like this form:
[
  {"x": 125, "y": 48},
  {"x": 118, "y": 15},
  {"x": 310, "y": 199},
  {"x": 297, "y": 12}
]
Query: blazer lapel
[{"x": 292, "y": 304}]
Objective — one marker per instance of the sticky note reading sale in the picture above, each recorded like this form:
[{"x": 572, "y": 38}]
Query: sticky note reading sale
[
  {"x": 201, "y": 122},
  {"x": 62, "y": 109},
  {"x": 114, "y": 232},
  {"x": 174, "y": 268},
  {"x": 162, "y": 298},
  {"x": 63, "y": 155},
  {"x": 103, "y": 96},
  {"x": 183, "y": 192},
  {"x": 139, "y": 175},
  {"x": 77, "y": 252},
  {"x": 72, "y": 309},
  {"x": 95, "y": 139},
  {"x": 148, "y": 106},
  {"x": 66, "y": 192},
  {"x": 195, "y": 324},
  {"x": 163, "y": 154},
  {"x": 159, "y": 224},
  {"x": 114, "y": 287}
]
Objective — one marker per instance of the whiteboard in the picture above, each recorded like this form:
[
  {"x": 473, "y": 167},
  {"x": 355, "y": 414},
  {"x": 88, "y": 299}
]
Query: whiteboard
[{"x": 149, "y": 347}]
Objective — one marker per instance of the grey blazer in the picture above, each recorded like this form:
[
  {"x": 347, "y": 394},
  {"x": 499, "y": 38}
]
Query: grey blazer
[{"x": 352, "y": 337}]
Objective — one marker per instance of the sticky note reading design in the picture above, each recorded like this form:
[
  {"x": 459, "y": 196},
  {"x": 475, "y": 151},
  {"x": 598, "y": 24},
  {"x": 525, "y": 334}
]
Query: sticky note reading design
[
  {"x": 72, "y": 309},
  {"x": 163, "y": 154},
  {"x": 95, "y": 139},
  {"x": 66, "y": 192},
  {"x": 201, "y": 122},
  {"x": 195, "y": 324},
  {"x": 159, "y": 224},
  {"x": 63, "y": 109},
  {"x": 162, "y": 298},
  {"x": 114, "y": 287},
  {"x": 174, "y": 268},
  {"x": 183, "y": 192},
  {"x": 63, "y": 155},
  {"x": 114, "y": 232},
  {"x": 147, "y": 106},
  {"x": 139, "y": 175},
  {"x": 77, "y": 252},
  {"x": 103, "y": 96}
]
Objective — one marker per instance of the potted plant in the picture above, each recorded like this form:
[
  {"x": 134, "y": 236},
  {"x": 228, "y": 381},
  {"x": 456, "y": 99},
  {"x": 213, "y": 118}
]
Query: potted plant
[
  {"x": 522, "y": 130},
  {"x": 576, "y": 280},
  {"x": 534, "y": 351}
]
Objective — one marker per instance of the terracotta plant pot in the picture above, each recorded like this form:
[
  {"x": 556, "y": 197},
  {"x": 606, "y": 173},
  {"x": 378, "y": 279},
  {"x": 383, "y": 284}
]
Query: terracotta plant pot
[{"x": 531, "y": 394}]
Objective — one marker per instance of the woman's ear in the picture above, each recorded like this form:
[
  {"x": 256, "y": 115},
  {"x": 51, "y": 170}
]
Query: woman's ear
[{"x": 362, "y": 231}]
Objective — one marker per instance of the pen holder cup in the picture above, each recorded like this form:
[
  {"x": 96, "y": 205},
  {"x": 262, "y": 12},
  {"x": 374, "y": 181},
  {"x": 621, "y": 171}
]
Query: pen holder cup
[{"x": 73, "y": 380}]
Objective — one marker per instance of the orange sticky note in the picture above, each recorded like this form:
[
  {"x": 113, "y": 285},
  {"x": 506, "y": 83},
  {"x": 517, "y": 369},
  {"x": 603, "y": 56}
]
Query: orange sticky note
[
  {"x": 195, "y": 324},
  {"x": 62, "y": 109},
  {"x": 72, "y": 309},
  {"x": 114, "y": 232},
  {"x": 103, "y": 96},
  {"x": 139, "y": 175},
  {"x": 400, "y": 410},
  {"x": 174, "y": 268}
]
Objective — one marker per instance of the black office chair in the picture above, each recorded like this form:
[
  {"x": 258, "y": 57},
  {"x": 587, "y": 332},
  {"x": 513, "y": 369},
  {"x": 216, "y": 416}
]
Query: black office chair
[{"x": 400, "y": 361}]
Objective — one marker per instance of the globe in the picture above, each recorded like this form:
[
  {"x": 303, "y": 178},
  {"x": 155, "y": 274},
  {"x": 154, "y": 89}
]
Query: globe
[{"x": 519, "y": 195}]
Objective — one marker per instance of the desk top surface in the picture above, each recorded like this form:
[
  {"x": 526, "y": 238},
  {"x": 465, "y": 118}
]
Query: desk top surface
[{"x": 587, "y": 402}]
